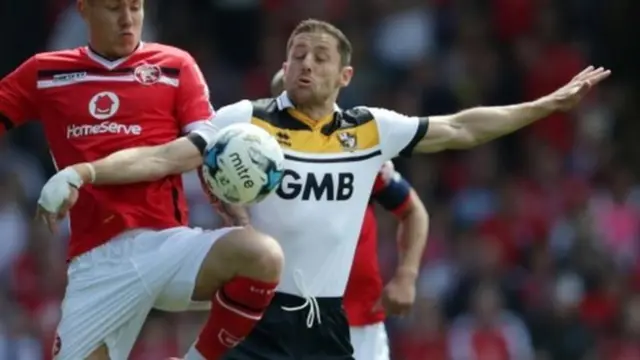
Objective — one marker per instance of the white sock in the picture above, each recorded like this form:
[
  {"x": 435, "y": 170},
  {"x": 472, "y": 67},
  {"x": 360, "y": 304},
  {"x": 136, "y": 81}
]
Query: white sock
[{"x": 193, "y": 354}]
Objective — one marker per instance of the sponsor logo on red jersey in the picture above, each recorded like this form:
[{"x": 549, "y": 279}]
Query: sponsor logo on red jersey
[
  {"x": 103, "y": 106},
  {"x": 147, "y": 74}
]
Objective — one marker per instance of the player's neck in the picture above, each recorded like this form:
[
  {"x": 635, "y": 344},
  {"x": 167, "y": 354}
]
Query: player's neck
[
  {"x": 317, "y": 112},
  {"x": 106, "y": 53}
]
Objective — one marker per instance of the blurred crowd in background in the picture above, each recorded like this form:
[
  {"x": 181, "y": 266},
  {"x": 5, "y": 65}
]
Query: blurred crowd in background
[{"x": 534, "y": 243}]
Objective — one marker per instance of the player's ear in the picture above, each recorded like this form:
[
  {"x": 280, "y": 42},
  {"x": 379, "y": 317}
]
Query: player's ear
[{"x": 345, "y": 75}]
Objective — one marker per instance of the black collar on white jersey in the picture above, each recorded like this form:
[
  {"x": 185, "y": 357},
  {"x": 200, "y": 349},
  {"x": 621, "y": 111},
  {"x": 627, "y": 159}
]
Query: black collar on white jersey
[
  {"x": 284, "y": 102},
  {"x": 342, "y": 119}
]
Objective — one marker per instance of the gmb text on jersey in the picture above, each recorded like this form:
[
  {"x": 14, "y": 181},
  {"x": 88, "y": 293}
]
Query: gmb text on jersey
[{"x": 313, "y": 186}]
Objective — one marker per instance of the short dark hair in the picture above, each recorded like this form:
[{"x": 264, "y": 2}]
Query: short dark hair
[{"x": 319, "y": 26}]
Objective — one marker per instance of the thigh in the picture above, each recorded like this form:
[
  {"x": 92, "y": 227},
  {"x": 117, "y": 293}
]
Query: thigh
[
  {"x": 359, "y": 342},
  {"x": 381, "y": 347},
  {"x": 101, "y": 304},
  {"x": 184, "y": 253}
]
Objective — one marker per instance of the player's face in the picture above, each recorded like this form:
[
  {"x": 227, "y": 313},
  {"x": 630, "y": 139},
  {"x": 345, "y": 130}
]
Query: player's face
[
  {"x": 314, "y": 71},
  {"x": 115, "y": 25}
]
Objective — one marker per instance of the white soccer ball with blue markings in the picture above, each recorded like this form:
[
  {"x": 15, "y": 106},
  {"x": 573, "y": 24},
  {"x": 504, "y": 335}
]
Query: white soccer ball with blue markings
[{"x": 243, "y": 165}]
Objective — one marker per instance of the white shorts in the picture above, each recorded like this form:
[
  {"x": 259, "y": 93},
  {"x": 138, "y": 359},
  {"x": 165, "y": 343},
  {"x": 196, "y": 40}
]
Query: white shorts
[
  {"x": 112, "y": 288},
  {"x": 370, "y": 342}
]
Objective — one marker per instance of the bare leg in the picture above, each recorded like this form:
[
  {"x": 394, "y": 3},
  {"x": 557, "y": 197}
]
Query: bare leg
[{"x": 239, "y": 276}]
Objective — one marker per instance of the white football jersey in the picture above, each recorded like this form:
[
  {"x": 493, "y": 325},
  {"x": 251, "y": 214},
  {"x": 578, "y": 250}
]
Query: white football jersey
[{"x": 330, "y": 167}]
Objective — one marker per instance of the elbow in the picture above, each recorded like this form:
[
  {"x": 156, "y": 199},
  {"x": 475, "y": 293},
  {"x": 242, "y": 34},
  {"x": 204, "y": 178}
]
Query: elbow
[
  {"x": 463, "y": 136},
  {"x": 464, "y": 139},
  {"x": 173, "y": 159},
  {"x": 160, "y": 168}
]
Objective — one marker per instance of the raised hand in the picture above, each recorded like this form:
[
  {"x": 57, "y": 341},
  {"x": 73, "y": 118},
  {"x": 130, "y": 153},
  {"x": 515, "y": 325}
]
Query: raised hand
[{"x": 568, "y": 96}]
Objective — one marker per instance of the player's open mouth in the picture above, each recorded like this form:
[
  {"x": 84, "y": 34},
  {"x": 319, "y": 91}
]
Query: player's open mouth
[{"x": 304, "y": 81}]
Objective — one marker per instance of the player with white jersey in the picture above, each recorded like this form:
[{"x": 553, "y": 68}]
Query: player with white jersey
[
  {"x": 332, "y": 156},
  {"x": 366, "y": 300},
  {"x": 130, "y": 249}
]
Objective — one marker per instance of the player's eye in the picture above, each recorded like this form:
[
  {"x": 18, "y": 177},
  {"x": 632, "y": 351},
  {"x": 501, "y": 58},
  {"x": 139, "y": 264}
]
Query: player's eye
[
  {"x": 321, "y": 57},
  {"x": 135, "y": 6}
]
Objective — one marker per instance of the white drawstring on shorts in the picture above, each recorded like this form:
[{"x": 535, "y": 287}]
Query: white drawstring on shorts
[{"x": 309, "y": 300}]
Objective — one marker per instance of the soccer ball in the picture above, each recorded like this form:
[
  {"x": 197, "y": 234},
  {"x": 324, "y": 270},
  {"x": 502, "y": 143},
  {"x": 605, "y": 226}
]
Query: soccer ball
[{"x": 243, "y": 165}]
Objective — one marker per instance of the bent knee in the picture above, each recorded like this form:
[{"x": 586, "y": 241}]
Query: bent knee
[
  {"x": 261, "y": 256},
  {"x": 257, "y": 255}
]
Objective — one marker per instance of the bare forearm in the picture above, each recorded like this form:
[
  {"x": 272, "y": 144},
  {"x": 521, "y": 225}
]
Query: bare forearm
[
  {"x": 142, "y": 164},
  {"x": 412, "y": 239},
  {"x": 483, "y": 124}
]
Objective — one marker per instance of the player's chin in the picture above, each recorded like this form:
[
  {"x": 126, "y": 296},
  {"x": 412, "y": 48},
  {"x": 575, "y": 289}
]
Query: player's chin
[
  {"x": 126, "y": 44},
  {"x": 301, "y": 94}
]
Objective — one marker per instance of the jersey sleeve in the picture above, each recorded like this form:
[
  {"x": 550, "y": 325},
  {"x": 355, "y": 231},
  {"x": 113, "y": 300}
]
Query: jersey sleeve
[
  {"x": 193, "y": 105},
  {"x": 399, "y": 133},
  {"x": 239, "y": 112},
  {"x": 391, "y": 190},
  {"x": 18, "y": 92}
]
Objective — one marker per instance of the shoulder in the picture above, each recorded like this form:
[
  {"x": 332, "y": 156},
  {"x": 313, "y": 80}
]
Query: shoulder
[
  {"x": 241, "y": 111},
  {"x": 45, "y": 64},
  {"x": 262, "y": 108},
  {"x": 152, "y": 47},
  {"x": 357, "y": 115},
  {"x": 59, "y": 57},
  {"x": 167, "y": 52},
  {"x": 382, "y": 114}
]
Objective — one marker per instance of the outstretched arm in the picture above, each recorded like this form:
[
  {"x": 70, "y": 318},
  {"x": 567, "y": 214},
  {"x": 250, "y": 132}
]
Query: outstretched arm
[
  {"x": 475, "y": 126},
  {"x": 135, "y": 165},
  {"x": 123, "y": 167},
  {"x": 144, "y": 163}
]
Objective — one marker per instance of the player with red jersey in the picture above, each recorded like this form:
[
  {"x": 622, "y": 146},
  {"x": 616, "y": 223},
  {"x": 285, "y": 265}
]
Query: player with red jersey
[
  {"x": 130, "y": 250},
  {"x": 365, "y": 299}
]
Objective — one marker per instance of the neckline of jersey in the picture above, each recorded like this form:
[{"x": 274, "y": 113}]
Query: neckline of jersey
[
  {"x": 284, "y": 103},
  {"x": 106, "y": 62}
]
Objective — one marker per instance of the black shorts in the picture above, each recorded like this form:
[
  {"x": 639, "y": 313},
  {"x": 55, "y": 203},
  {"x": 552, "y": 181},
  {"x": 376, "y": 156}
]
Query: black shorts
[{"x": 282, "y": 334}]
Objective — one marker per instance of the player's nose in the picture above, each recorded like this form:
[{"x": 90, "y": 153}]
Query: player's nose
[
  {"x": 307, "y": 63},
  {"x": 126, "y": 19}
]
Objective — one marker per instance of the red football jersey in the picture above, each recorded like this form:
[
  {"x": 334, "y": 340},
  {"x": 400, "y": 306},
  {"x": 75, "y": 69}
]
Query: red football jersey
[
  {"x": 91, "y": 107},
  {"x": 364, "y": 288}
]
